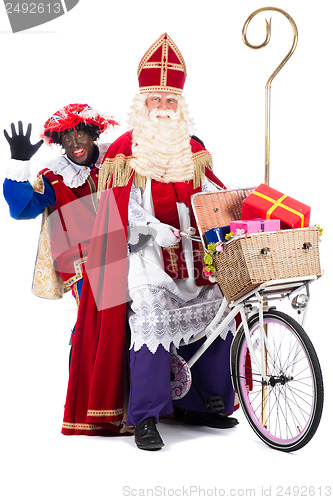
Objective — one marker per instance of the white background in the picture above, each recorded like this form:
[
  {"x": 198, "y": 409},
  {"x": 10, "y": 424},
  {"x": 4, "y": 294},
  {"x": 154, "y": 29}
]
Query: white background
[{"x": 91, "y": 55}]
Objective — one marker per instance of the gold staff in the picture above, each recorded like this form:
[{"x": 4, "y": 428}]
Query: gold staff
[
  {"x": 267, "y": 130},
  {"x": 273, "y": 75}
]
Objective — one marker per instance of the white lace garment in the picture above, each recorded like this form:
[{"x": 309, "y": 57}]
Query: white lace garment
[{"x": 163, "y": 311}]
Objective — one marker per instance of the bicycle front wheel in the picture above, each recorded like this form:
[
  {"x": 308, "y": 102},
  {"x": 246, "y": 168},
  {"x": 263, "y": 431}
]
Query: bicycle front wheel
[{"x": 285, "y": 411}]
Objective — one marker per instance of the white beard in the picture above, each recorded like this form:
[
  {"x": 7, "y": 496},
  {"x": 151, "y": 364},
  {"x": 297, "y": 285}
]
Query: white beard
[{"x": 161, "y": 145}]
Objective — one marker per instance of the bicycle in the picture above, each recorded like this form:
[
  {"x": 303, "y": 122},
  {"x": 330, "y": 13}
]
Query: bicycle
[{"x": 275, "y": 369}]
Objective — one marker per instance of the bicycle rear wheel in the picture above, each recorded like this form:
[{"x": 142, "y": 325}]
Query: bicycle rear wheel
[{"x": 286, "y": 411}]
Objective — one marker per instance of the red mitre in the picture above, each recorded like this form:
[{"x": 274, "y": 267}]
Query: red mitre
[{"x": 162, "y": 68}]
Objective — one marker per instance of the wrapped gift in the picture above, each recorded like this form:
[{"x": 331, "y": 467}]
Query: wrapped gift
[
  {"x": 217, "y": 234},
  {"x": 255, "y": 225},
  {"x": 267, "y": 203},
  {"x": 245, "y": 226},
  {"x": 269, "y": 225}
]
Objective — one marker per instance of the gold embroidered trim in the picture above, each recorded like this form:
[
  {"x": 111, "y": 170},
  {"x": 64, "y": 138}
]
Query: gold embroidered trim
[
  {"x": 122, "y": 428},
  {"x": 78, "y": 272},
  {"x": 83, "y": 427},
  {"x": 164, "y": 42},
  {"x": 164, "y": 65},
  {"x": 201, "y": 160},
  {"x": 104, "y": 413},
  {"x": 172, "y": 90},
  {"x": 76, "y": 294},
  {"x": 119, "y": 169},
  {"x": 47, "y": 282},
  {"x": 173, "y": 258},
  {"x": 92, "y": 187},
  {"x": 54, "y": 182},
  {"x": 38, "y": 185},
  {"x": 156, "y": 65},
  {"x": 200, "y": 252},
  {"x": 203, "y": 155}
]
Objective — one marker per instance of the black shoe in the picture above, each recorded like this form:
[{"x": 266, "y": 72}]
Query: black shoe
[
  {"x": 215, "y": 420},
  {"x": 146, "y": 435}
]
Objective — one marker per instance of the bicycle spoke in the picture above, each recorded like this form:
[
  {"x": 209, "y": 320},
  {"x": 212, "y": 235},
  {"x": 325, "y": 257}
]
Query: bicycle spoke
[{"x": 285, "y": 417}]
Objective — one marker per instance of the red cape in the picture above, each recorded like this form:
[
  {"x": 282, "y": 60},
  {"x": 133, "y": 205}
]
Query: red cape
[{"x": 96, "y": 392}]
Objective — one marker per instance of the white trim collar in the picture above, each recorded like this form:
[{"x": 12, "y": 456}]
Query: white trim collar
[{"x": 74, "y": 175}]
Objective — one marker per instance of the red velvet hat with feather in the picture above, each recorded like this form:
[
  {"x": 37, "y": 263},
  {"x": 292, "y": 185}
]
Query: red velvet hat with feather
[
  {"x": 162, "y": 68},
  {"x": 72, "y": 115}
]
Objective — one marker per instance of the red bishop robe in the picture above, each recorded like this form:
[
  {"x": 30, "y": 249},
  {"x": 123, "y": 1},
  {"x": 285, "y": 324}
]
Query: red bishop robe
[{"x": 96, "y": 394}]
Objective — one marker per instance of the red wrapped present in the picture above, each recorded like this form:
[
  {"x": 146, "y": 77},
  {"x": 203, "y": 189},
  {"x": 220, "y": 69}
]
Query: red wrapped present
[{"x": 265, "y": 202}]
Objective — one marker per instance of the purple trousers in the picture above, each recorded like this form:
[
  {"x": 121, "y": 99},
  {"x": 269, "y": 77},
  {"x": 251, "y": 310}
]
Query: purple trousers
[{"x": 150, "y": 380}]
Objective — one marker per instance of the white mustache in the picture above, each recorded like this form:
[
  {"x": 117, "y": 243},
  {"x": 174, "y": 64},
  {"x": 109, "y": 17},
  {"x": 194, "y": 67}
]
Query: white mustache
[{"x": 163, "y": 113}]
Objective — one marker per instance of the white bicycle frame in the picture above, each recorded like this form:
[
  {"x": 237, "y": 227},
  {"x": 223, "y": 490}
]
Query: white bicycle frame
[{"x": 253, "y": 302}]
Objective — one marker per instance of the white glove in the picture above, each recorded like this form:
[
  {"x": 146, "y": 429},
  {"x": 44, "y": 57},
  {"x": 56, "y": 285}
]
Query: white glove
[{"x": 164, "y": 234}]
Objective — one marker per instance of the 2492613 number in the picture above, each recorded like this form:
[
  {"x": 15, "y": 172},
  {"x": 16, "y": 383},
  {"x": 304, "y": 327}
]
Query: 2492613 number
[
  {"x": 304, "y": 491},
  {"x": 33, "y": 8}
]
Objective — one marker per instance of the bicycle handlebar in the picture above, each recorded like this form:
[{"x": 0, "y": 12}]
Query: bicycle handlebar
[{"x": 188, "y": 233}]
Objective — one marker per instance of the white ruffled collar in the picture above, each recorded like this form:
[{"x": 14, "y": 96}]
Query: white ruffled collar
[{"x": 75, "y": 175}]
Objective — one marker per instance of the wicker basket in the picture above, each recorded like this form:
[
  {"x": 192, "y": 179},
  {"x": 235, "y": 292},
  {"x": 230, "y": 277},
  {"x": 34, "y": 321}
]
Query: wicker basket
[
  {"x": 218, "y": 209},
  {"x": 248, "y": 261}
]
